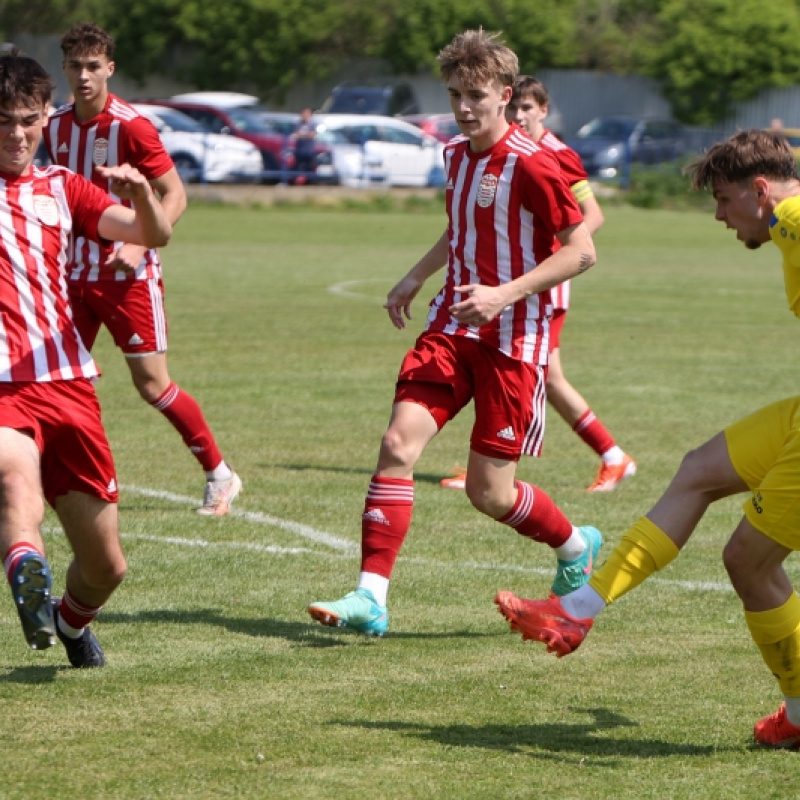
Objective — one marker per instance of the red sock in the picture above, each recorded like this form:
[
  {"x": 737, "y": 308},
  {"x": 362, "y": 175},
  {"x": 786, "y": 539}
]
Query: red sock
[
  {"x": 183, "y": 411},
  {"x": 14, "y": 554},
  {"x": 76, "y": 614},
  {"x": 385, "y": 523},
  {"x": 536, "y": 516},
  {"x": 594, "y": 433}
]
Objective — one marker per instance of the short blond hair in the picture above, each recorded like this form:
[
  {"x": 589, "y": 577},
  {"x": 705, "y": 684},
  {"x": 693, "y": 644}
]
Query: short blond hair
[{"x": 476, "y": 58}]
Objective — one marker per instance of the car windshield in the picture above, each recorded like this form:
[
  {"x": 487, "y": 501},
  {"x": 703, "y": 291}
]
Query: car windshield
[
  {"x": 327, "y": 136},
  {"x": 285, "y": 125},
  {"x": 177, "y": 121},
  {"x": 607, "y": 128},
  {"x": 250, "y": 120}
]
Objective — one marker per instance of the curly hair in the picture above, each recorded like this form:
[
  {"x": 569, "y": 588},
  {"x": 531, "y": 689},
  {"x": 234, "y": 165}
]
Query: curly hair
[{"x": 86, "y": 38}]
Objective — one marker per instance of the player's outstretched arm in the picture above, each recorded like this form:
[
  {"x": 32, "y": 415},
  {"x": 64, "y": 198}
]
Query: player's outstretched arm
[{"x": 147, "y": 223}]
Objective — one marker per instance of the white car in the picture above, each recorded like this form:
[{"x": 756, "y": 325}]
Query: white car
[
  {"x": 200, "y": 156},
  {"x": 373, "y": 150}
]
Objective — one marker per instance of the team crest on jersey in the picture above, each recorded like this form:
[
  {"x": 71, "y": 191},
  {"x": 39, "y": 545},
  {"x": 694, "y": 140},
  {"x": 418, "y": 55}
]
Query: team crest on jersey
[
  {"x": 100, "y": 152},
  {"x": 45, "y": 208},
  {"x": 486, "y": 190}
]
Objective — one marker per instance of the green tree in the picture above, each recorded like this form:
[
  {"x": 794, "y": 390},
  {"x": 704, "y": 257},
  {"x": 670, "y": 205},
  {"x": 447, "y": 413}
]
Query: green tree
[
  {"x": 266, "y": 45},
  {"x": 38, "y": 16},
  {"x": 709, "y": 54}
]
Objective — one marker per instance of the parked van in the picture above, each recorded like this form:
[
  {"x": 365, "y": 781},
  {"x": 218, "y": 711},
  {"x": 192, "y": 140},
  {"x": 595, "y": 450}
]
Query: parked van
[{"x": 387, "y": 101}]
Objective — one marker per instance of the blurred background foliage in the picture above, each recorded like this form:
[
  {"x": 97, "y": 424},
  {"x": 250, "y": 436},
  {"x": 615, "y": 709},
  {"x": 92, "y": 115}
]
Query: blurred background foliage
[{"x": 705, "y": 55}]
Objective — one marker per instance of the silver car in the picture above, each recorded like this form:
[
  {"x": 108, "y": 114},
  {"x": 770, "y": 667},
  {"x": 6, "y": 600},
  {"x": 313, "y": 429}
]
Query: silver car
[
  {"x": 370, "y": 150},
  {"x": 200, "y": 156}
]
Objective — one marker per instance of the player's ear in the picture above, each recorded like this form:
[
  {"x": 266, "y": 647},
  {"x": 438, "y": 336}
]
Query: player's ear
[
  {"x": 762, "y": 188},
  {"x": 111, "y": 68}
]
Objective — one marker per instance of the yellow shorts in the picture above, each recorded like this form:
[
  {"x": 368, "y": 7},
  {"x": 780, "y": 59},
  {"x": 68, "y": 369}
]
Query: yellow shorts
[{"x": 764, "y": 449}]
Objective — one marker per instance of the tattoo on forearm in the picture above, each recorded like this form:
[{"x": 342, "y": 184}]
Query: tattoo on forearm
[{"x": 585, "y": 262}]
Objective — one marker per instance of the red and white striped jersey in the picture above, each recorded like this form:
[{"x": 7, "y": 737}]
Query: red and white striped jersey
[
  {"x": 573, "y": 170},
  {"x": 117, "y": 135},
  {"x": 39, "y": 213},
  {"x": 505, "y": 205}
]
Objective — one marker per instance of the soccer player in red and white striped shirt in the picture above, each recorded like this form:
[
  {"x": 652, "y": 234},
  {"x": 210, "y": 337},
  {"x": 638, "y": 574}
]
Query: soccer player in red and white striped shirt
[
  {"x": 119, "y": 284},
  {"x": 529, "y": 107},
  {"x": 52, "y": 442},
  {"x": 486, "y": 337}
]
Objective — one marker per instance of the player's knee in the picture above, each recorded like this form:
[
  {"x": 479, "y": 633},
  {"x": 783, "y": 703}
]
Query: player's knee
[
  {"x": 21, "y": 498},
  {"x": 738, "y": 564},
  {"x": 105, "y": 575},
  {"x": 695, "y": 470},
  {"x": 148, "y": 389},
  {"x": 486, "y": 498},
  {"x": 397, "y": 450}
]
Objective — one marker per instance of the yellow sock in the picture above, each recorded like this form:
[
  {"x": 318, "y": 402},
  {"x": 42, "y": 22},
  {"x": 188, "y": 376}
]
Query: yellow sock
[
  {"x": 643, "y": 550},
  {"x": 777, "y": 634}
]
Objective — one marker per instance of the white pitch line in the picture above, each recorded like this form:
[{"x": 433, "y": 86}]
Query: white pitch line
[
  {"x": 345, "y": 289},
  {"x": 304, "y": 531},
  {"x": 347, "y": 547}
]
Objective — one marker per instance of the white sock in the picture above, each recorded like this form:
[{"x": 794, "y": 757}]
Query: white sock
[
  {"x": 68, "y": 630},
  {"x": 793, "y": 709},
  {"x": 584, "y": 603},
  {"x": 573, "y": 548},
  {"x": 222, "y": 472},
  {"x": 377, "y": 584},
  {"x": 615, "y": 455}
]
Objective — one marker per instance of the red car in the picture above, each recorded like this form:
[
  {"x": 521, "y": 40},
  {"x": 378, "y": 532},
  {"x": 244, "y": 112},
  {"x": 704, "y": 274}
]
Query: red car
[
  {"x": 441, "y": 126},
  {"x": 249, "y": 122}
]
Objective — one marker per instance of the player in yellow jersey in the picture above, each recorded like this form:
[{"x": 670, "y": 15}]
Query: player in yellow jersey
[{"x": 754, "y": 180}]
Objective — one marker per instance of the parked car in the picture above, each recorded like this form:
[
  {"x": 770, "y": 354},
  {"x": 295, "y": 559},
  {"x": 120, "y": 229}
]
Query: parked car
[
  {"x": 224, "y": 99},
  {"x": 200, "y": 156},
  {"x": 381, "y": 150},
  {"x": 606, "y": 144},
  {"x": 441, "y": 126},
  {"x": 285, "y": 122},
  {"x": 389, "y": 101},
  {"x": 247, "y": 122}
]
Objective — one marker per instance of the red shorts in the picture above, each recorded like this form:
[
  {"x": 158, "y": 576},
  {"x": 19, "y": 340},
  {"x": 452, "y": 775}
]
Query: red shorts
[
  {"x": 556, "y": 324},
  {"x": 133, "y": 312},
  {"x": 63, "y": 419},
  {"x": 443, "y": 373}
]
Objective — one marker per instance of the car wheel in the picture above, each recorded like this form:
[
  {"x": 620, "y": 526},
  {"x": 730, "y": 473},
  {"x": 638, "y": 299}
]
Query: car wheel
[{"x": 187, "y": 168}]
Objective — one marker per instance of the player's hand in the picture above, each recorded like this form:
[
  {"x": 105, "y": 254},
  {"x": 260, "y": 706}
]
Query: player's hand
[
  {"x": 125, "y": 181},
  {"x": 126, "y": 257},
  {"x": 479, "y": 304},
  {"x": 398, "y": 301}
]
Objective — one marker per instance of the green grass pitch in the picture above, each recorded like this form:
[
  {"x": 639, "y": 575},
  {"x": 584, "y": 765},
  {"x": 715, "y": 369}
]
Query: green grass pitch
[{"x": 218, "y": 684}]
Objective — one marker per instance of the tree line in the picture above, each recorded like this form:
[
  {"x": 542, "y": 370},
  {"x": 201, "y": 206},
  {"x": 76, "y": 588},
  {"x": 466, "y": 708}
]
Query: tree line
[{"x": 705, "y": 54}]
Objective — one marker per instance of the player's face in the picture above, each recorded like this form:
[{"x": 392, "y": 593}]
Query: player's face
[
  {"x": 480, "y": 111},
  {"x": 742, "y": 208},
  {"x": 88, "y": 76},
  {"x": 20, "y": 133},
  {"x": 529, "y": 115}
]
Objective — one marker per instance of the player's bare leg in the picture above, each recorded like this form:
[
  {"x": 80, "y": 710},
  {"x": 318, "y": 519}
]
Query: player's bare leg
[
  {"x": 21, "y": 545},
  {"x": 384, "y": 523},
  {"x": 151, "y": 378},
  {"x": 97, "y": 569}
]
